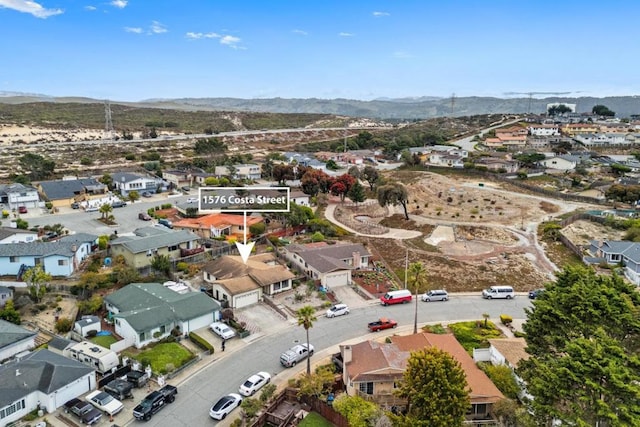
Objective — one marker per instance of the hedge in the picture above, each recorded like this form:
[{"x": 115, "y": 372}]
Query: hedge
[{"x": 201, "y": 342}]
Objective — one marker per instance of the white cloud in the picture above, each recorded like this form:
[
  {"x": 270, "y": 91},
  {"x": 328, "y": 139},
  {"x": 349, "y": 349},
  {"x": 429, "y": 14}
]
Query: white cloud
[
  {"x": 90, "y": 8},
  {"x": 343, "y": 34},
  {"x": 400, "y": 54},
  {"x": 158, "y": 28},
  {"x": 379, "y": 14},
  {"x": 136, "y": 30},
  {"x": 230, "y": 41},
  {"x": 120, "y": 4},
  {"x": 301, "y": 32},
  {"x": 31, "y": 7},
  {"x": 195, "y": 36}
]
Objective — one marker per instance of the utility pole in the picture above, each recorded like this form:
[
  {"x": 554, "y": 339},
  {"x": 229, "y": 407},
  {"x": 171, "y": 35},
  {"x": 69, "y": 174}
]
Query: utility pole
[
  {"x": 406, "y": 268},
  {"x": 108, "y": 123}
]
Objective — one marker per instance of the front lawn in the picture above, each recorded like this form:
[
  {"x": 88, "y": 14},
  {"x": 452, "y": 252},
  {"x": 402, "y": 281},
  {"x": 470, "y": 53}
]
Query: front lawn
[
  {"x": 475, "y": 334},
  {"x": 163, "y": 358},
  {"x": 313, "y": 419}
]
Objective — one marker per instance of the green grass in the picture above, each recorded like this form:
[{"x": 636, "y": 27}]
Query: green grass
[
  {"x": 471, "y": 336},
  {"x": 314, "y": 420},
  {"x": 163, "y": 357},
  {"x": 104, "y": 340}
]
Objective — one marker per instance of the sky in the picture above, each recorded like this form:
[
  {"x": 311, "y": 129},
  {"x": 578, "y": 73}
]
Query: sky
[{"x": 132, "y": 50}]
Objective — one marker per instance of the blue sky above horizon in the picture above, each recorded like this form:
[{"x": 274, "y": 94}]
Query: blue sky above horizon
[{"x": 130, "y": 50}]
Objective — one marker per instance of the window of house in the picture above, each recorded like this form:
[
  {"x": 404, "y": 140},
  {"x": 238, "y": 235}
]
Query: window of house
[
  {"x": 173, "y": 248},
  {"x": 12, "y": 409},
  {"x": 366, "y": 387},
  {"x": 478, "y": 409},
  {"x": 163, "y": 329},
  {"x": 14, "y": 259},
  {"x": 63, "y": 262},
  {"x": 142, "y": 337}
]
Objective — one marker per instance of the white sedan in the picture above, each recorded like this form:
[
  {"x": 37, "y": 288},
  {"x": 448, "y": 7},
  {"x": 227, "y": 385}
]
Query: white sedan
[
  {"x": 222, "y": 330},
  {"x": 224, "y": 406},
  {"x": 254, "y": 383},
  {"x": 104, "y": 402}
]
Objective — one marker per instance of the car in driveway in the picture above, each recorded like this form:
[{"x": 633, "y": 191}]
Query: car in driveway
[
  {"x": 86, "y": 412},
  {"x": 75, "y": 205},
  {"x": 254, "y": 383},
  {"x": 435, "y": 295},
  {"x": 22, "y": 209},
  {"x": 192, "y": 200},
  {"x": 224, "y": 406},
  {"x": 222, "y": 330},
  {"x": 144, "y": 216},
  {"x": 104, "y": 402},
  {"x": 337, "y": 310},
  {"x": 147, "y": 194},
  {"x": 118, "y": 204}
]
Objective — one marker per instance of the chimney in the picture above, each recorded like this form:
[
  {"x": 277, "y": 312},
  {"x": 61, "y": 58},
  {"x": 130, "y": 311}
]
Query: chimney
[
  {"x": 356, "y": 259},
  {"x": 346, "y": 354}
]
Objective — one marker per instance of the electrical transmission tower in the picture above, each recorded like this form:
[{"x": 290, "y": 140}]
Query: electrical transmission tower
[
  {"x": 108, "y": 123},
  {"x": 453, "y": 102}
]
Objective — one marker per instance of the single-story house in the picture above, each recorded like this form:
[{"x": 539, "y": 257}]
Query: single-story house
[
  {"x": 16, "y": 235},
  {"x": 41, "y": 380},
  {"x": 241, "y": 284},
  {"x": 5, "y": 295},
  {"x": 63, "y": 192},
  {"x": 138, "y": 250},
  {"x": 126, "y": 182},
  {"x": 180, "y": 177},
  {"x": 240, "y": 171},
  {"x": 16, "y": 195},
  {"x": 614, "y": 252},
  {"x": 508, "y": 351},
  {"x": 14, "y": 340},
  {"x": 544, "y": 129},
  {"x": 372, "y": 369},
  {"x": 147, "y": 312},
  {"x": 498, "y": 164},
  {"x": 86, "y": 324},
  {"x": 217, "y": 225},
  {"x": 330, "y": 264},
  {"x": 299, "y": 198},
  {"x": 59, "y": 258},
  {"x": 564, "y": 162}
]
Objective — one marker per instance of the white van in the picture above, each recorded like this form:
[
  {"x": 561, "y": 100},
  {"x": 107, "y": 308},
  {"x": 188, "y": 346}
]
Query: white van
[{"x": 498, "y": 292}]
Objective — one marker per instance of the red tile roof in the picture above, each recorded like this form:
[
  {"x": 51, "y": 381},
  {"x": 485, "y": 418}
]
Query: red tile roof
[{"x": 217, "y": 220}]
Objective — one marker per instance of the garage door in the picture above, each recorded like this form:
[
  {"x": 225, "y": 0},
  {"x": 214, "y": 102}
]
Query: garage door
[
  {"x": 336, "y": 279},
  {"x": 246, "y": 299},
  {"x": 200, "y": 322}
]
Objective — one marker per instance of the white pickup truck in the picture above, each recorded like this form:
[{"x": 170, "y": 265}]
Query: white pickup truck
[{"x": 295, "y": 354}]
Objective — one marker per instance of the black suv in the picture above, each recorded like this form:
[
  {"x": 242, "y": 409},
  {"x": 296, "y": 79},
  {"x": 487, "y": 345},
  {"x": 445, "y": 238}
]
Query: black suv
[{"x": 85, "y": 411}]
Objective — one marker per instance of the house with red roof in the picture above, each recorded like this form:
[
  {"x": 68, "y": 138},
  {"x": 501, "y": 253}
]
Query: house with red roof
[
  {"x": 372, "y": 370},
  {"x": 217, "y": 225}
]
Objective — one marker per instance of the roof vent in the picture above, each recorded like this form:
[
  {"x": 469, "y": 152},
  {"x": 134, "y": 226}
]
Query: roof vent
[{"x": 95, "y": 349}]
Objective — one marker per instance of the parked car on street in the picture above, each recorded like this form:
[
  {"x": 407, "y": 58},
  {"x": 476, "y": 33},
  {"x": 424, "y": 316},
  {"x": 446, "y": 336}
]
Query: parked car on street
[
  {"x": 435, "y": 295},
  {"x": 222, "y": 330},
  {"x": 75, "y": 205},
  {"x": 254, "y": 383},
  {"x": 224, "y": 406},
  {"x": 535, "y": 293},
  {"x": 383, "y": 323},
  {"x": 192, "y": 200},
  {"x": 104, "y": 402},
  {"x": 154, "y": 402},
  {"x": 337, "y": 310},
  {"x": 118, "y": 204},
  {"x": 296, "y": 354},
  {"x": 144, "y": 216},
  {"x": 165, "y": 222},
  {"x": 146, "y": 194}
]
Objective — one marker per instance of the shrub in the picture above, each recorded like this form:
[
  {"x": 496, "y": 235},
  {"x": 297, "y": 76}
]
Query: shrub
[
  {"x": 506, "y": 319},
  {"x": 182, "y": 266},
  {"x": 267, "y": 392},
  {"x": 63, "y": 325},
  {"x": 201, "y": 342}
]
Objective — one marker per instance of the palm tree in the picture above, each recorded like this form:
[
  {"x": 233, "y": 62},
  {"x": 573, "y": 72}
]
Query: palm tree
[
  {"x": 416, "y": 277},
  {"x": 105, "y": 210},
  {"x": 306, "y": 317}
]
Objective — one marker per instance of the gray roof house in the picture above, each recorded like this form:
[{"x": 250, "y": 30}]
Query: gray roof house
[
  {"x": 14, "y": 340},
  {"x": 126, "y": 182},
  {"x": 16, "y": 235},
  {"x": 330, "y": 264},
  {"x": 138, "y": 250},
  {"x": 15, "y": 195},
  {"x": 612, "y": 252},
  {"x": 5, "y": 295},
  {"x": 86, "y": 324},
  {"x": 147, "y": 312},
  {"x": 41, "y": 378},
  {"x": 59, "y": 258},
  {"x": 68, "y": 189}
]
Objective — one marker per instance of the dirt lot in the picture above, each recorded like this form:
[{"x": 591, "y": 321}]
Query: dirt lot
[{"x": 474, "y": 235}]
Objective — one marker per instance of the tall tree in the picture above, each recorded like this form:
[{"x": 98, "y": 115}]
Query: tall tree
[
  {"x": 105, "y": 210},
  {"x": 416, "y": 279},
  {"x": 583, "y": 334},
  {"x": 394, "y": 194},
  {"x": 314, "y": 181},
  {"x": 306, "y": 317},
  {"x": 9, "y": 313},
  {"x": 354, "y": 171},
  {"x": 162, "y": 264},
  {"x": 436, "y": 389},
  {"x": 356, "y": 193},
  {"x": 602, "y": 110},
  {"x": 371, "y": 175},
  {"x": 341, "y": 185},
  {"x": 37, "y": 279},
  {"x": 357, "y": 411},
  {"x": 282, "y": 173},
  {"x": 37, "y": 166}
]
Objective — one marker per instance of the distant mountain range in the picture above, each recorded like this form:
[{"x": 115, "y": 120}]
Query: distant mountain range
[{"x": 383, "y": 108}]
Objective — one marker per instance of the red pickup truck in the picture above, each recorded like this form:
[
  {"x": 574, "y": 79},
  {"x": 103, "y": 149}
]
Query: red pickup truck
[{"x": 381, "y": 324}]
